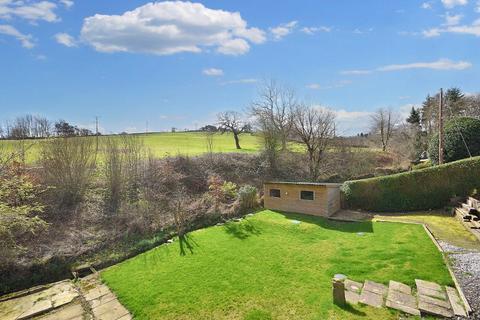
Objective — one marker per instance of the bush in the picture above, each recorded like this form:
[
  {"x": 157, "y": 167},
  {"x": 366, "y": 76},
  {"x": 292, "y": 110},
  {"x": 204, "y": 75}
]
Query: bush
[
  {"x": 458, "y": 133},
  {"x": 247, "y": 196},
  {"x": 428, "y": 188}
]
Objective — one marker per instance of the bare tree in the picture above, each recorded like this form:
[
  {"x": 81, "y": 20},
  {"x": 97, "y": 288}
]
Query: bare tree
[
  {"x": 383, "y": 123},
  {"x": 314, "y": 127},
  {"x": 274, "y": 111},
  {"x": 231, "y": 121},
  {"x": 68, "y": 164},
  {"x": 209, "y": 141}
]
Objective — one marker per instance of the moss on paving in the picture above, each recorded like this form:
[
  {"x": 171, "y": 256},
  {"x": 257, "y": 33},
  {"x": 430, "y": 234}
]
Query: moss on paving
[{"x": 266, "y": 267}]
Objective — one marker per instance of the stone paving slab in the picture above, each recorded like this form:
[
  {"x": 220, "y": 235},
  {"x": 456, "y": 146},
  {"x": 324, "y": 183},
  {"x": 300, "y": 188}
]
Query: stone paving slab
[
  {"x": 434, "y": 309},
  {"x": 400, "y": 287},
  {"x": 455, "y": 301},
  {"x": 352, "y": 297},
  {"x": 111, "y": 310},
  {"x": 402, "y": 301},
  {"x": 371, "y": 298},
  {"x": 86, "y": 300},
  {"x": 71, "y": 312},
  {"x": 353, "y": 286},
  {"x": 428, "y": 285},
  {"x": 431, "y": 293},
  {"x": 374, "y": 287}
]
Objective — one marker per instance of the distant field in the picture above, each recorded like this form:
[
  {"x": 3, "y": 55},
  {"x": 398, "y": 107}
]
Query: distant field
[{"x": 163, "y": 144}]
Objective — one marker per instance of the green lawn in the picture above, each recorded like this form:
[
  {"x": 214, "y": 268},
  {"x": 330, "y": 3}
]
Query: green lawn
[{"x": 267, "y": 267}]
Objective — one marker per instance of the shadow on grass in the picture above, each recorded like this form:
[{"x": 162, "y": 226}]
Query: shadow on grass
[
  {"x": 349, "y": 308},
  {"x": 241, "y": 230},
  {"x": 186, "y": 244},
  {"x": 342, "y": 226}
]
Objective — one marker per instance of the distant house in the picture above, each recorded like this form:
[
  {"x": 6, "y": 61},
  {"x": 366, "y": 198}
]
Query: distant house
[{"x": 319, "y": 199}]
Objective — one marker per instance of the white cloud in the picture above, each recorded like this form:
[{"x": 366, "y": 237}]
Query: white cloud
[
  {"x": 452, "y": 20},
  {"x": 25, "y": 39},
  {"x": 441, "y": 64},
  {"x": 313, "y": 30},
  {"x": 426, "y": 5},
  {"x": 477, "y": 7},
  {"x": 473, "y": 29},
  {"x": 355, "y": 72},
  {"x": 67, "y": 3},
  {"x": 283, "y": 30},
  {"x": 32, "y": 11},
  {"x": 453, "y": 3},
  {"x": 241, "y": 81},
  {"x": 350, "y": 122},
  {"x": 171, "y": 27},
  {"x": 339, "y": 84},
  {"x": 213, "y": 72},
  {"x": 66, "y": 39}
]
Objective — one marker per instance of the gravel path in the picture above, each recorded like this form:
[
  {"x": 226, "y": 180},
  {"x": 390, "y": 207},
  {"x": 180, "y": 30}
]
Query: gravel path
[{"x": 466, "y": 266}]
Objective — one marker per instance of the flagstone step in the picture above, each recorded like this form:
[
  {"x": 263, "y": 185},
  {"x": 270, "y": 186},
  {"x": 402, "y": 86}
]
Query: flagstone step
[{"x": 428, "y": 298}]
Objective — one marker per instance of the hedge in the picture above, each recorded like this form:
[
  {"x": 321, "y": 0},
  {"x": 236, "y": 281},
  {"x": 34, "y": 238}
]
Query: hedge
[{"x": 424, "y": 189}]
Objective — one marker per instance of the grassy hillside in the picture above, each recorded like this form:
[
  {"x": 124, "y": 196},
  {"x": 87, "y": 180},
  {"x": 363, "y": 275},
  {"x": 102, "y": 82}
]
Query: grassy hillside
[{"x": 160, "y": 144}]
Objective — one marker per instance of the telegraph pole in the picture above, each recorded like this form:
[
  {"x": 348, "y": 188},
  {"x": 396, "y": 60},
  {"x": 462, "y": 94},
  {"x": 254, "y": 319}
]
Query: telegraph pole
[
  {"x": 96, "y": 138},
  {"x": 440, "y": 129}
]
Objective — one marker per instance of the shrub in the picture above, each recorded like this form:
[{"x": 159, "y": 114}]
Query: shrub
[
  {"x": 68, "y": 165},
  {"x": 19, "y": 212},
  {"x": 458, "y": 133},
  {"x": 229, "y": 190},
  {"x": 247, "y": 196},
  {"x": 428, "y": 188}
]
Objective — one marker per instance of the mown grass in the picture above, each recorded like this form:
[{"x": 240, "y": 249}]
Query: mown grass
[{"x": 267, "y": 267}]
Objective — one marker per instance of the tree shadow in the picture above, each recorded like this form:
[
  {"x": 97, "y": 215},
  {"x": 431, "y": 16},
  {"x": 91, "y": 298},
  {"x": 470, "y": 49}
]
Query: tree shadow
[
  {"x": 241, "y": 230},
  {"x": 342, "y": 226},
  {"x": 187, "y": 244}
]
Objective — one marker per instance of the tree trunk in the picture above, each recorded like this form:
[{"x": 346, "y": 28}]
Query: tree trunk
[{"x": 237, "y": 141}]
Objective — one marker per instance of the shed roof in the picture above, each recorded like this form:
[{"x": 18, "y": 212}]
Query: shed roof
[{"x": 324, "y": 184}]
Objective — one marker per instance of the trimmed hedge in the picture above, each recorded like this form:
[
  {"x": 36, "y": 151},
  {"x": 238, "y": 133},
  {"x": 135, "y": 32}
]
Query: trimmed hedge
[{"x": 424, "y": 189}]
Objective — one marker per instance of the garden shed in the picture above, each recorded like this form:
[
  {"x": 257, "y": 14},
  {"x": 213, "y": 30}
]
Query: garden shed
[{"x": 318, "y": 199}]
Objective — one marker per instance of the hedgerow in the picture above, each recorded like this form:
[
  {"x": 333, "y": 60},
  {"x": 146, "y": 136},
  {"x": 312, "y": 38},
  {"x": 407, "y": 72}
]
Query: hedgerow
[{"x": 428, "y": 188}]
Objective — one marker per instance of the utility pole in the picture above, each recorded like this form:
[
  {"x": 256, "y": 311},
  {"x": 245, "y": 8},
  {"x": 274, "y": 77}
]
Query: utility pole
[
  {"x": 96, "y": 138},
  {"x": 440, "y": 129}
]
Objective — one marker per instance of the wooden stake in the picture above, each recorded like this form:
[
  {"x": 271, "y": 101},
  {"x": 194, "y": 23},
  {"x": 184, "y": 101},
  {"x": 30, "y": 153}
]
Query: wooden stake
[{"x": 440, "y": 130}]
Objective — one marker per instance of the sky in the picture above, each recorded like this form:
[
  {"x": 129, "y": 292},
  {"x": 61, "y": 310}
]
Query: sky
[{"x": 177, "y": 64}]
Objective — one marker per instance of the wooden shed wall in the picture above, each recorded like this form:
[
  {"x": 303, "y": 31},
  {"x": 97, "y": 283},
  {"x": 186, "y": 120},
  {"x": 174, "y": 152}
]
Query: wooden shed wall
[{"x": 325, "y": 203}]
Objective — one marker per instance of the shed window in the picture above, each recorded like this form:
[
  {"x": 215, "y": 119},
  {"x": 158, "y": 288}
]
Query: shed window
[
  {"x": 275, "y": 193},
  {"x": 306, "y": 195}
]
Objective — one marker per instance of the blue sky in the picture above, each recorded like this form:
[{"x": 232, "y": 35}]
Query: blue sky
[{"x": 179, "y": 63}]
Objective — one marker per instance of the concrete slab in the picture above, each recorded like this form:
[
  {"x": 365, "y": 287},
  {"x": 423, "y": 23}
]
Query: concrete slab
[
  {"x": 402, "y": 301},
  {"x": 103, "y": 299},
  {"x": 72, "y": 311},
  {"x": 434, "y": 309},
  {"x": 455, "y": 302},
  {"x": 371, "y": 298},
  {"x": 437, "y": 302},
  {"x": 428, "y": 285},
  {"x": 374, "y": 287},
  {"x": 352, "y": 297},
  {"x": 399, "y": 287},
  {"x": 96, "y": 292},
  {"x": 111, "y": 310},
  {"x": 353, "y": 286},
  {"x": 38, "y": 308},
  {"x": 431, "y": 293}
]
